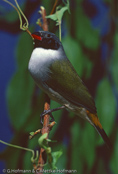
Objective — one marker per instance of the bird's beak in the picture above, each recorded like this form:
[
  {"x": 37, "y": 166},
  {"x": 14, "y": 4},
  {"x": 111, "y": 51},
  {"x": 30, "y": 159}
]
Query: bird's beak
[{"x": 34, "y": 36}]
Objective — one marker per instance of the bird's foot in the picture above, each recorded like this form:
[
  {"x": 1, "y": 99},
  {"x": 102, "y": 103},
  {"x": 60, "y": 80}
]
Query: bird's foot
[
  {"x": 47, "y": 112},
  {"x": 50, "y": 112}
]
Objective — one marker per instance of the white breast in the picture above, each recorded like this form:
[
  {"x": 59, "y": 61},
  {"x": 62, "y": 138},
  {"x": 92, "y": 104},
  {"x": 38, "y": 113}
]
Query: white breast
[{"x": 41, "y": 58}]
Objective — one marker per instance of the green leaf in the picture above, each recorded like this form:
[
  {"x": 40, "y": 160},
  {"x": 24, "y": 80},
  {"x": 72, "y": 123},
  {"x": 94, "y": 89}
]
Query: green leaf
[
  {"x": 89, "y": 144},
  {"x": 42, "y": 141},
  {"x": 56, "y": 156},
  {"x": 114, "y": 159},
  {"x": 21, "y": 87},
  {"x": 59, "y": 160},
  {"x": 114, "y": 61},
  {"x": 19, "y": 95},
  {"x": 27, "y": 164},
  {"x": 101, "y": 167},
  {"x": 67, "y": 4},
  {"x": 52, "y": 157},
  {"x": 62, "y": 161},
  {"x": 74, "y": 53},
  {"x": 53, "y": 17},
  {"x": 33, "y": 121},
  {"x": 106, "y": 105},
  {"x": 88, "y": 36},
  {"x": 88, "y": 66},
  {"x": 52, "y": 141},
  {"x": 12, "y": 16},
  {"x": 83, "y": 145},
  {"x": 23, "y": 52},
  {"x": 31, "y": 133},
  {"x": 57, "y": 16},
  {"x": 60, "y": 13},
  {"x": 76, "y": 158},
  {"x": 76, "y": 56}
]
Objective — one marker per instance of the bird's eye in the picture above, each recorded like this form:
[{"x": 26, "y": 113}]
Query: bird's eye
[
  {"x": 40, "y": 34},
  {"x": 47, "y": 35}
]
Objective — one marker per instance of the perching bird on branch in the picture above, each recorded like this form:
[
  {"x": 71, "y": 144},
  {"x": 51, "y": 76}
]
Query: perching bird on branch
[{"x": 55, "y": 75}]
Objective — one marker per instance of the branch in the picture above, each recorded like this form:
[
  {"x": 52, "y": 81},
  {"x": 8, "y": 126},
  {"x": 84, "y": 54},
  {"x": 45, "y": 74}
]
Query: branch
[
  {"x": 55, "y": 4},
  {"x": 45, "y": 128},
  {"x": 43, "y": 13}
]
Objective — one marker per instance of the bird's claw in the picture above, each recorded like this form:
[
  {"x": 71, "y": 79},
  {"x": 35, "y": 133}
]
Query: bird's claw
[{"x": 44, "y": 113}]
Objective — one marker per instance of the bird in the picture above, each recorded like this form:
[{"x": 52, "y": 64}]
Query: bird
[{"x": 55, "y": 75}]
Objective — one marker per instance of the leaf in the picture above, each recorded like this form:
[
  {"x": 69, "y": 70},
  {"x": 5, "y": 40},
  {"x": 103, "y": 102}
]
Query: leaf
[
  {"x": 114, "y": 62},
  {"x": 10, "y": 16},
  {"x": 114, "y": 158},
  {"x": 19, "y": 95},
  {"x": 61, "y": 163},
  {"x": 56, "y": 156},
  {"x": 67, "y": 4},
  {"x": 52, "y": 157},
  {"x": 76, "y": 56},
  {"x": 88, "y": 36},
  {"x": 76, "y": 158},
  {"x": 20, "y": 89},
  {"x": 83, "y": 145},
  {"x": 88, "y": 66},
  {"x": 33, "y": 121},
  {"x": 31, "y": 133},
  {"x": 57, "y": 16},
  {"x": 59, "y": 160},
  {"x": 101, "y": 167},
  {"x": 106, "y": 105},
  {"x": 42, "y": 141},
  {"x": 74, "y": 53},
  {"x": 52, "y": 141},
  {"x": 53, "y": 17},
  {"x": 88, "y": 144},
  {"x": 23, "y": 52},
  {"x": 60, "y": 13}
]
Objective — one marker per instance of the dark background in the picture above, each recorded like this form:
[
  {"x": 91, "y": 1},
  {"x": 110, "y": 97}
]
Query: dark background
[{"x": 90, "y": 39}]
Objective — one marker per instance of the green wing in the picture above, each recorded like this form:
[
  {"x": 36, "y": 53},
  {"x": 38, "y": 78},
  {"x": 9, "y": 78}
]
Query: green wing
[{"x": 64, "y": 80}]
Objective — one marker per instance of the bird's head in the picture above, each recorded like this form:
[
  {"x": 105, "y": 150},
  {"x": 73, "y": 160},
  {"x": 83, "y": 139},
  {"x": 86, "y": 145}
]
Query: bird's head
[{"x": 45, "y": 39}]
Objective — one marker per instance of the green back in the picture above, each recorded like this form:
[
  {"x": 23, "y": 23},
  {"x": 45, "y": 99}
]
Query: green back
[{"x": 64, "y": 80}]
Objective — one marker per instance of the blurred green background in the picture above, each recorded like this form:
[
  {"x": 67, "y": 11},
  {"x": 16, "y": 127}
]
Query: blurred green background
[{"x": 90, "y": 40}]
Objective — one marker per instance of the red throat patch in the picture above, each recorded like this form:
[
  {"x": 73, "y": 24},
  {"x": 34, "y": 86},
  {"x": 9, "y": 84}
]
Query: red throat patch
[{"x": 36, "y": 37}]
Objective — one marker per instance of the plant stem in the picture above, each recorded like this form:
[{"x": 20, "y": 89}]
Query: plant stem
[
  {"x": 19, "y": 147},
  {"x": 60, "y": 30}
]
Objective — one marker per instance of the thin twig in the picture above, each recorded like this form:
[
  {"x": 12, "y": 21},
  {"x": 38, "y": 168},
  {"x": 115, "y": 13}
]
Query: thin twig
[
  {"x": 35, "y": 133},
  {"x": 54, "y": 7},
  {"x": 45, "y": 128},
  {"x": 21, "y": 15},
  {"x": 46, "y": 123},
  {"x": 45, "y": 24}
]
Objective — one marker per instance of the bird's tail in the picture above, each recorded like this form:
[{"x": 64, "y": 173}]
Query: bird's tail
[
  {"x": 104, "y": 136},
  {"x": 96, "y": 123}
]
